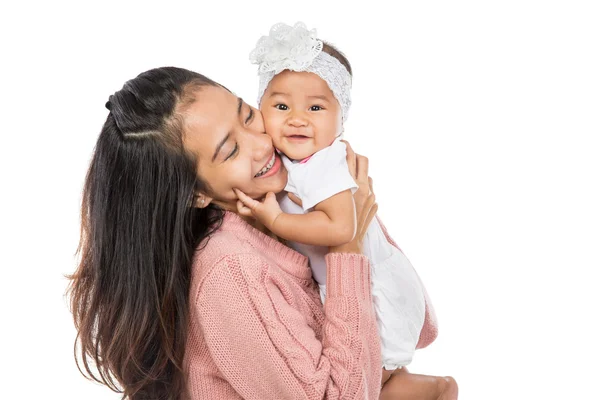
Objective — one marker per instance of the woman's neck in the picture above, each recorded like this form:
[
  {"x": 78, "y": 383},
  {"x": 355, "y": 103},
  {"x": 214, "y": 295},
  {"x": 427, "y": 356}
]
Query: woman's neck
[{"x": 257, "y": 225}]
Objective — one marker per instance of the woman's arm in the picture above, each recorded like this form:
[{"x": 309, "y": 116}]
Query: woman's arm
[{"x": 264, "y": 346}]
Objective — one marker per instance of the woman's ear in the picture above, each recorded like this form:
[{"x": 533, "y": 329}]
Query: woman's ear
[{"x": 201, "y": 200}]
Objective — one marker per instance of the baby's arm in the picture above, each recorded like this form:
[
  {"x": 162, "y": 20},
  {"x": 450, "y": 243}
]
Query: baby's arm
[{"x": 332, "y": 223}]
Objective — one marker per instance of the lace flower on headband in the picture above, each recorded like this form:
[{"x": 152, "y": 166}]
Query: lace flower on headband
[
  {"x": 298, "y": 49},
  {"x": 286, "y": 47}
]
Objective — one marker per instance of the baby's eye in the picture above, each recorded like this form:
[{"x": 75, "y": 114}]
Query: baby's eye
[
  {"x": 281, "y": 107},
  {"x": 315, "y": 108}
]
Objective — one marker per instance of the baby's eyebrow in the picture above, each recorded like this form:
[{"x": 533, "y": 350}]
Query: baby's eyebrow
[
  {"x": 320, "y": 97},
  {"x": 278, "y": 94}
]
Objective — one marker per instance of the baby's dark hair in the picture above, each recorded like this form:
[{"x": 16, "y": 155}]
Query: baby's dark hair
[{"x": 338, "y": 55}]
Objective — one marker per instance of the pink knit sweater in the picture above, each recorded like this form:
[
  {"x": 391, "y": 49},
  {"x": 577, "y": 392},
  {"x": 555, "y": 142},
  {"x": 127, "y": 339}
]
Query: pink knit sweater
[{"x": 258, "y": 329}]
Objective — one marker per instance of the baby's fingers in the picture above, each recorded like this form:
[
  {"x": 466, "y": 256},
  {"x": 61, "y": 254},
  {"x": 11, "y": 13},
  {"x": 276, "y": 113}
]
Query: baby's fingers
[
  {"x": 243, "y": 210},
  {"x": 246, "y": 200}
]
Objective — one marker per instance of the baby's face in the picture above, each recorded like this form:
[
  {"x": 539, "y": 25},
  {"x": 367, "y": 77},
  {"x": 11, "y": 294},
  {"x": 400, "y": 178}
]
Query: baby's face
[{"x": 300, "y": 113}]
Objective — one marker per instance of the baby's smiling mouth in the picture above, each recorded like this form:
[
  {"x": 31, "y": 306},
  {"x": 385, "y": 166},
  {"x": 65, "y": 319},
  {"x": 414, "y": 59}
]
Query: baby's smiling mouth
[{"x": 297, "y": 137}]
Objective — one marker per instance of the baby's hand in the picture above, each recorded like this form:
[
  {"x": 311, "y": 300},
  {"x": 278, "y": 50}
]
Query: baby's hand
[{"x": 266, "y": 212}]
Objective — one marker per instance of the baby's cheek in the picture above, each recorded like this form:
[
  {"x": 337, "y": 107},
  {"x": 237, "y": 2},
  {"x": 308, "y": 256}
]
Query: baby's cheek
[
  {"x": 271, "y": 132},
  {"x": 275, "y": 135},
  {"x": 272, "y": 126},
  {"x": 277, "y": 143}
]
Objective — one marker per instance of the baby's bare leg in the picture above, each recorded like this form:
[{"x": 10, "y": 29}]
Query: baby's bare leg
[
  {"x": 403, "y": 385},
  {"x": 385, "y": 375}
]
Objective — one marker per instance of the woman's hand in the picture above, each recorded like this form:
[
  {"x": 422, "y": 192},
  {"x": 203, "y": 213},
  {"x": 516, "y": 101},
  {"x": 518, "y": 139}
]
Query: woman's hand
[{"x": 364, "y": 201}]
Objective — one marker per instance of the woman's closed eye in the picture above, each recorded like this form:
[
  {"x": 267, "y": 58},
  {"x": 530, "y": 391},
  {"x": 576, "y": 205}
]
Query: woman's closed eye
[
  {"x": 249, "y": 119},
  {"x": 250, "y": 116},
  {"x": 233, "y": 152}
]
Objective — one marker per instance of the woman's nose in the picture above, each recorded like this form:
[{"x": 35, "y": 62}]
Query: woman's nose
[{"x": 262, "y": 146}]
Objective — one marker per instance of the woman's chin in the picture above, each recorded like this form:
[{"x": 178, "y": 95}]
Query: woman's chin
[
  {"x": 283, "y": 178},
  {"x": 277, "y": 182}
]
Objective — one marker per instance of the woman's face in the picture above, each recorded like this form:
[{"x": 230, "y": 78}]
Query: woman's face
[{"x": 233, "y": 152}]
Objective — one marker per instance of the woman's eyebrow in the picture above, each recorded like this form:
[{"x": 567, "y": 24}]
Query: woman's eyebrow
[
  {"x": 250, "y": 115},
  {"x": 226, "y": 138},
  {"x": 240, "y": 102},
  {"x": 221, "y": 143}
]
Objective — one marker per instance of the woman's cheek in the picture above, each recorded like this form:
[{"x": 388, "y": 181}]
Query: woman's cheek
[{"x": 242, "y": 177}]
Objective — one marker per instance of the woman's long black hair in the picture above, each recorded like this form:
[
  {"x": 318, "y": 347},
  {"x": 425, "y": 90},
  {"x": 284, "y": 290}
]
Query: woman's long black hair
[{"x": 139, "y": 230}]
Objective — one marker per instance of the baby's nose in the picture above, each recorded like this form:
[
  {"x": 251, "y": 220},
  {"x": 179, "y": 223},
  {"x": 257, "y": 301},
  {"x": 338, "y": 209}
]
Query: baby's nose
[{"x": 297, "y": 120}]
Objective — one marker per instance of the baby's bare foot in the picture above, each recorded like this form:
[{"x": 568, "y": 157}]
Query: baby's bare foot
[{"x": 448, "y": 388}]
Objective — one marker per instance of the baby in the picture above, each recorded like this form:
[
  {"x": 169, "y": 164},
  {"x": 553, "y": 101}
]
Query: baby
[{"x": 304, "y": 97}]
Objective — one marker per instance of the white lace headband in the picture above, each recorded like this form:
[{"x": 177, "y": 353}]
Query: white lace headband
[{"x": 298, "y": 49}]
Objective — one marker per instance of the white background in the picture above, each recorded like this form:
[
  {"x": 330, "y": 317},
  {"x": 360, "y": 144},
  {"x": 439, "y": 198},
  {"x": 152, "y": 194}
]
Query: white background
[{"x": 481, "y": 121}]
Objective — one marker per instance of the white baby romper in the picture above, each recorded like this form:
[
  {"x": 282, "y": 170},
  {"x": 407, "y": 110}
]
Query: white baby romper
[{"x": 397, "y": 292}]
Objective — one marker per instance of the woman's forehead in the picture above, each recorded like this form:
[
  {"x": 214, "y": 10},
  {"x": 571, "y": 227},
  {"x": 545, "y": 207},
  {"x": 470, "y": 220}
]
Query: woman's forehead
[
  {"x": 213, "y": 106},
  {"x": 209, "y": 118}
]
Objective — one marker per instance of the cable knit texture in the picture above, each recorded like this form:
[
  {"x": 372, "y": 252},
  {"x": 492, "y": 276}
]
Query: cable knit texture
[{"x": 258, "y": 329}]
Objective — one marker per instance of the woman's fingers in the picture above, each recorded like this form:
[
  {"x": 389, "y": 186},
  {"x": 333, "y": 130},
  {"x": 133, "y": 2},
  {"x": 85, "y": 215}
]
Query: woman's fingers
[
  {"x": 350, "y": 159},
  {"x": 369, "y": 219},
  {"x": 367, "y": 207},
  {"x": 364, "y": 217},
  {"x": 362, "y": 170}
]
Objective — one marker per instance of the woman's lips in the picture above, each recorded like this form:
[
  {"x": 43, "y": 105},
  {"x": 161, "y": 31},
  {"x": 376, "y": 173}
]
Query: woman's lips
[
  {"x": 274, "y": 169},
  {"x": 271, "y": 159}
]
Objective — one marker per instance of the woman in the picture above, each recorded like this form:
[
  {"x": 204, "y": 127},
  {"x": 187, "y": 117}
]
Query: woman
[{"x": 178, "y": 296}]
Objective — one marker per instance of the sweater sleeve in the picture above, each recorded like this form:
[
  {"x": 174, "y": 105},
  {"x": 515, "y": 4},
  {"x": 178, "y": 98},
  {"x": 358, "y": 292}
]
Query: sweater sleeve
[{"x": 265, "y": 347}]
